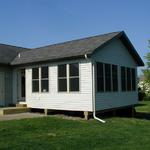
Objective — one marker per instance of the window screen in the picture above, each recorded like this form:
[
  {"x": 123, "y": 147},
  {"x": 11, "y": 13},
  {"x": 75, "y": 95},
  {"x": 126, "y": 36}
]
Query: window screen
[
  {"x": 128, "y": 79},
  {"x": 133, "y": 80},
  {"x": 35, "y": 79},
  {"x": 62, "y": 78},
  {"x": 74, "y": 77},
  {"x": 100, "y": 77},
  {"x": 123, "y": 78},
  {"x": 115, "y": 77},
  {"x": 107, "y": 77},
  {"x": 44, "y": 79}
]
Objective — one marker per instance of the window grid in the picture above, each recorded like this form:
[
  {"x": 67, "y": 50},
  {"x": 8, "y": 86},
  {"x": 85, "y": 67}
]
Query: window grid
[
  {"x": 44, "y": 79},
  {"x": 76, "y": 76},
  {"x": 114, "y": 78},
  {"x": 106, "y": 77},
  {"x": 100, "y": 76},
  {"x": 68, "y": 78},
  {"x": 35, "y": 88},
  {"x": 62, "y": 78},
  {"x": 133, "y": 79},
  {"x": 40, "y": 79},
  {"x": 130, "y": 79}
]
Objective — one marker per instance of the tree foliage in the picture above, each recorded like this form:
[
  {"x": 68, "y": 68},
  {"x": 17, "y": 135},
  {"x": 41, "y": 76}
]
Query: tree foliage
[
  {"x": 145, "y": 85},
  {"x": 146, "y": 71}
]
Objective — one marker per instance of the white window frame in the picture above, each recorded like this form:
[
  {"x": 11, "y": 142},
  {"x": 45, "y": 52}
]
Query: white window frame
[
  {"x": 39, "y": 79},
  {"x": 67, "y": 78},
  {"x": 43, "y": 79},
  {"x": 35, "y": 79}
]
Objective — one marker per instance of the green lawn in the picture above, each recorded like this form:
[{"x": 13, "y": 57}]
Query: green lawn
[
  {"x": 56, "y": 133},
  {"x": 144, "y": 107}
]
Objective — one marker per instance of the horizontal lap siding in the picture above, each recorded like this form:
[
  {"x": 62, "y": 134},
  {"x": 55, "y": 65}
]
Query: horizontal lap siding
[
  {"x": 112, "y": 100},
  {"x": 115, "y": 53},
  {"x": 7, "y": 85},
  {"x": 8, "y": 88},
  {"x": 77, "y": 101}
]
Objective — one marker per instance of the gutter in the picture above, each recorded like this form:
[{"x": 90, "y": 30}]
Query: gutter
[
  {"x": 93, "y": 91},
  {"x": 93, "y": 95}
]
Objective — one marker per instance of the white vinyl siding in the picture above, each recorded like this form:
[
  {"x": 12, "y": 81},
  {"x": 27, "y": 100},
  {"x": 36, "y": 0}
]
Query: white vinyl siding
[{"x": 76, "y": 101}]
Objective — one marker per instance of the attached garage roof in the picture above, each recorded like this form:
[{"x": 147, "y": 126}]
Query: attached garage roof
[{"x": 8, "y": 53}]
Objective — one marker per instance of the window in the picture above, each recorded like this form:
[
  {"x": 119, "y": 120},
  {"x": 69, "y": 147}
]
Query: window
[
  {"x": 35, "y": 80},
  {"x": 44, "y": 79},
  {"x": 133, "y": 80},
  {"x": 107, "y": 77},
  {"x": 68, "y": 77},
  {"x": 62, "y": 78},
  {"x": 128, "y": 79},
  {"x": 100, "y": 77},
  {"x": 74, "y": 77},
  {"x": 115, "y": 77},
  {"x": 40, "y": 81},
  {"x": 123, "y": 78}
]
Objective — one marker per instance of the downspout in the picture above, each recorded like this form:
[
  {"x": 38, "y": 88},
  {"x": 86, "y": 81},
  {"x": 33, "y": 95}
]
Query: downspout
[
  {"x": 93, "y": 91},
  {"x": 93, "y": 95}
]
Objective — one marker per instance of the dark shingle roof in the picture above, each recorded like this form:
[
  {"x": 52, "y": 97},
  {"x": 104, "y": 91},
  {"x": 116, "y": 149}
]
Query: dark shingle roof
[
  {"x": 64, "y": 50},
  {"x": 8, "y": 53},
  {"x": 72, "y": 49}
]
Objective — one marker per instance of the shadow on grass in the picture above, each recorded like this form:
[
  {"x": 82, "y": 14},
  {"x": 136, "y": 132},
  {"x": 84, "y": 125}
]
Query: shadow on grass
[
  {"x": 138, "y": 105},
  {"x": 127, "y": 113},
  {"x": 60, "y": 113},
  {"x": 142, "y": 115},
  {"x": 104, "y": 115}
]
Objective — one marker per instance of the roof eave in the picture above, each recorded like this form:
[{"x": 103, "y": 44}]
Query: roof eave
[
  {"x": 134, "y": 53},
  {"x": 123, "y": 37},
  {"x": 50, "y": 60}
]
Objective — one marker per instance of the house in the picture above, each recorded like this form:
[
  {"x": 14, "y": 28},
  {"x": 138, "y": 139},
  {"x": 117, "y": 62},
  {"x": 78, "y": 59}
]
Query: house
[{"x": 90, "y": 74}]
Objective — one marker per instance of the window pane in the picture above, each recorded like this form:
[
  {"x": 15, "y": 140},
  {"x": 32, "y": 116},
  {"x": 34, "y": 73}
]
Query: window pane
[
  {"x": 133, "y": 80},
  {"x": 44, "y": 86},
  {"x": 62, "y": 70},
  {"x": 35, "y": 86},
  {"x": 62, "y": 85},
  {"x": 100, "y": 84},
  {"x": 74, "y": 69},
  {"x": 74, "y": 84},
  {"x": 115, "y": 77},
  {"x": 128, "y": 79},
  {"x": 99, "y": 69},
  {"x": 44, "y": 72},
  {"x": 35, "y": 73},
  {"x": 100, "y": 77},
  {"x": 107, "y": 77},
  {"x": 123, "y": 79}
]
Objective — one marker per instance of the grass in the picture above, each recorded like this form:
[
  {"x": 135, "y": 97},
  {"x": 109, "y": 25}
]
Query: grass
[
  {"x": 57, "y": 133},
  {"x": 143, "y": 106}
]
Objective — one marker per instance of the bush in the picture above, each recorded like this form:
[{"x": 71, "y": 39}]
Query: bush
[
  {"x": 144, "y": 91},
  {"x": 141, "y": 94}
]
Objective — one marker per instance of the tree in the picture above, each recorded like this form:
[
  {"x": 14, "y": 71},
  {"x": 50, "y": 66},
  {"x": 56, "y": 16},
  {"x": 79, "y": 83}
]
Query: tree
[
  {"x": 145, "y": 85},
  {"x": 146, "y": 71}
]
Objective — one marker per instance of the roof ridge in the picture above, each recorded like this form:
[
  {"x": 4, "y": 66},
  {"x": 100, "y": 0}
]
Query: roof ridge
[
  {"x": 14, "y": 46},
  {"x": 76, "y": 40}
]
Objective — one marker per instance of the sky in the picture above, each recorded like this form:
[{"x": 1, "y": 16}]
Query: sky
[{"x": 36, "y": 23}]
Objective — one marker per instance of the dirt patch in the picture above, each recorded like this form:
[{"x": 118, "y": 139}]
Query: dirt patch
[{"x": 20, "y": 116}]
